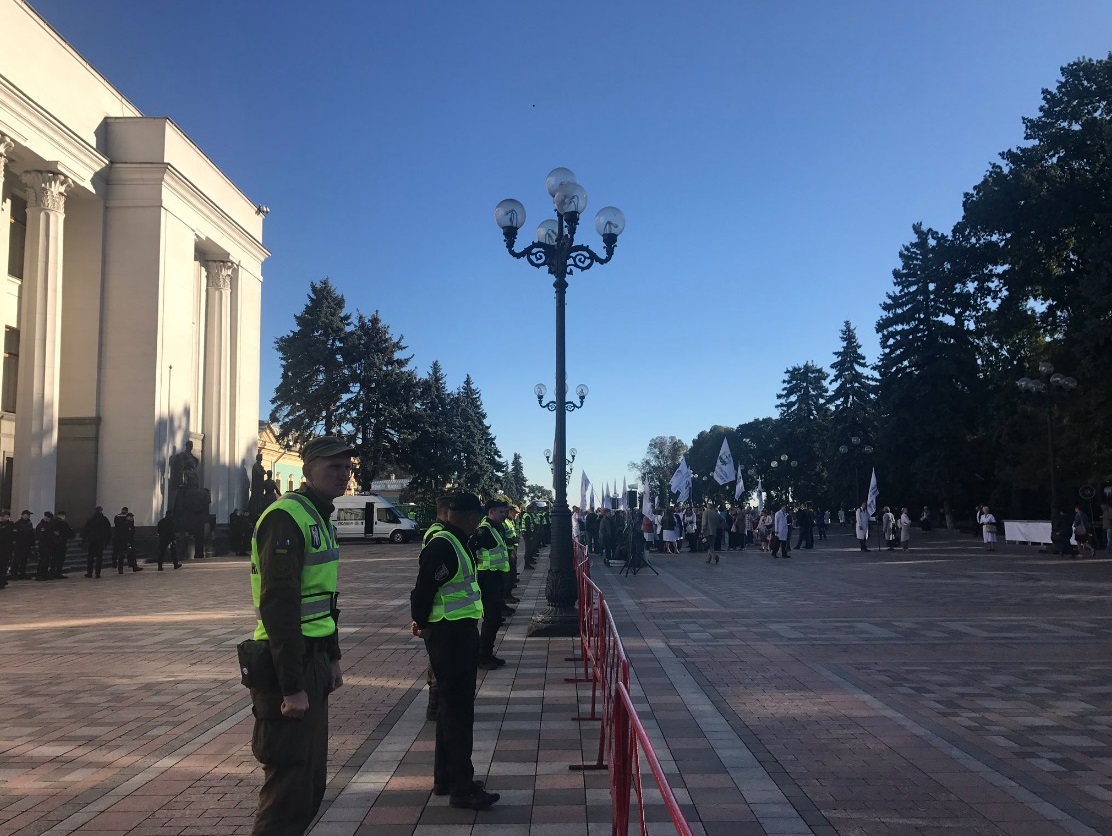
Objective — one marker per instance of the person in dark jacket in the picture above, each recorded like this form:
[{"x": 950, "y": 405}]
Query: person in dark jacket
[
  {"x": 606, "y": 539},
  {"x": 166, "y": 542},
  {"x": 123, "y": 534},
  {"x": 63, "y": 533},
  {"x": 44, "y": 543},
  {"x": 24, "y": 545},
  {"x": 97, "y": 534},
  {"x": 7, "y": 545}
]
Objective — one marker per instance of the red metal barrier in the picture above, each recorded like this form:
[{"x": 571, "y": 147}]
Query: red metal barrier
[
  {"x": 631, "y": 742},
  {"x": 622, "y": 737}
]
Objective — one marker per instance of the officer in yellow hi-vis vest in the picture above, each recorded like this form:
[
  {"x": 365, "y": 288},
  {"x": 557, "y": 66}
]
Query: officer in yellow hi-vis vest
[
  {"x": 446, "y": 605},
  {"x": 437, "y": 525},
  {"x": 294, "y": 561},
  {"x": 494, "y": 570}
]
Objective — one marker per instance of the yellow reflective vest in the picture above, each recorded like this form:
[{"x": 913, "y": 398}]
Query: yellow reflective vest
[
  {"x": 319, "y": 575},
  {"x": 459, "y": 598},
  {"x": 498, "y": 558}
]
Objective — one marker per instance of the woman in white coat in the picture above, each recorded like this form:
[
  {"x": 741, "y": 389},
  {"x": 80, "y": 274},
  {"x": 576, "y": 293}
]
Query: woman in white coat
[
  {"x": 889, "y": 523},
  {"x": 988, "y": 528},
  {"x": 862, "y": 526}
]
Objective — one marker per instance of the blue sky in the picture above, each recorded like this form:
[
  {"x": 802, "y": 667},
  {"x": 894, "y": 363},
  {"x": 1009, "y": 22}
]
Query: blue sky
[{"x": 770, "y": 159}]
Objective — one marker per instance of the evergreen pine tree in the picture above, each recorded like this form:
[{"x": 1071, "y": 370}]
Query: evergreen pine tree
[
  {"x": 852, "y": 406},
  {"x": 314, "y": 383},
  {"x": 515, "y": 480},
  {"x": 434, "y": 458},
  {"x": 804, "y": 421},
  {"x": 380, "y": 410},
  {"x": 480, "y": 465}
]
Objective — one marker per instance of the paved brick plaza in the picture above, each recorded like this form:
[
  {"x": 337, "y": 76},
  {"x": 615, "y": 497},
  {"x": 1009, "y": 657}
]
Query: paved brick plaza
[{"x": 943, "y": 691}]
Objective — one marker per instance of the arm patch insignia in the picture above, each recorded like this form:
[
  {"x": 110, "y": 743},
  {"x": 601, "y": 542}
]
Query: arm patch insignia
[
  {"x": 441, "y": 574},
  {"x": 314, "y": 535}
]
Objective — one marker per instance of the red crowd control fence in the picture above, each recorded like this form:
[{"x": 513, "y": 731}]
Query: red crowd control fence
[{"x": 623, "y": 741}]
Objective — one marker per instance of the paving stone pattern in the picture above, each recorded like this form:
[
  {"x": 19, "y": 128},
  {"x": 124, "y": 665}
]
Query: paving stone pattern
[{"x": 941, "y": 691}]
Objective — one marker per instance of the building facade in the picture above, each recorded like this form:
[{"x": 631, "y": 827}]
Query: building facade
[{"x": 131, "y": 297}]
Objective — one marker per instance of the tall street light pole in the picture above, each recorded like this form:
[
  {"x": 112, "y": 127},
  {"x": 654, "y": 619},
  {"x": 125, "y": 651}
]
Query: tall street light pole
[{"x": 556, "y": 250}]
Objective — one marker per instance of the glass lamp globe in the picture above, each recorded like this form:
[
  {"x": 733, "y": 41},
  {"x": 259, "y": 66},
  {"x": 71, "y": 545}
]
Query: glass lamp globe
[
  {"x": 548, "y": 454},
  {"x": 581, "y": 391},
  {"x": 1046, "y": 368},
  {"x": 784, "y": 457},
  {"x": 1057, "y": 378},
  {"x": 573, "y": 452},
  {"x": 540, "y": 390},
  {"x": 570, "y": 197},
  {"x": 556, "y": 177},
  {"x": 775, "y": 463},
  {"x": 548, "y": 232},
  {"x": 868, "y": 450},
  {"x": 509, "y": 214},
  {"x": 843, "y": 449},
  {"x": 610, "y": 221},
  {"x": 1024, "y": 383},
  {"x": 855, "y": 440},
  {"x": 795, "y": 463},
  {"x": 1069, "y": 382}
]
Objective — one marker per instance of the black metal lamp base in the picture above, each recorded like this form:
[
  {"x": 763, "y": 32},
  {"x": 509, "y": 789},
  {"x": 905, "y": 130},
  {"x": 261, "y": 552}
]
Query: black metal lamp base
[{"x": 554, "y": 622}]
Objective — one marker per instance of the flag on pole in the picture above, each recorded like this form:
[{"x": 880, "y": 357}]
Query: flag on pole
[
  {"x": 760, "y": 496},
  {"x": 724, "y": 470},
  {"x": 739, "y": 488},
  {"x": 646, "y": 503},
  {"x": 874, "y": 492},
  {"x": 606, "y": 495},
  {"x": 681, "y": 481},
  {"x": 584, "y": 482},
  {"x": 624, "y": 504},
  {"x": 592, "y": 503}
]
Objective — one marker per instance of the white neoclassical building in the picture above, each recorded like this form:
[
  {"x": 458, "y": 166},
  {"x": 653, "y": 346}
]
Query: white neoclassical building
[{"x": 131, "y": 294}]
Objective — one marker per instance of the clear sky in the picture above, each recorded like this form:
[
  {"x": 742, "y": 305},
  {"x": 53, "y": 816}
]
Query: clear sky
[{"x": 770, "y": 159}]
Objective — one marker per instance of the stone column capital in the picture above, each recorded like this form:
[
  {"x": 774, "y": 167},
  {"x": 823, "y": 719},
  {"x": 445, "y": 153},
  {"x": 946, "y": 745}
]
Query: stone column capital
[
  {"x": 219, "y": 274},
  {"x": 47, "y": 190},
  {"x": 6, "y": 146}
]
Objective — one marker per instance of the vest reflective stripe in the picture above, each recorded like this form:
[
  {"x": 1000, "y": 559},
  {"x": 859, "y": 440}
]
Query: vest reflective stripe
[
  {"x": 511, "y": 533},
  {"x": 498, "y": 558},
  {"x": 431, "y": 532},
  {"x": 459, "y": 598},
  {"x": 319, "y": 573}
]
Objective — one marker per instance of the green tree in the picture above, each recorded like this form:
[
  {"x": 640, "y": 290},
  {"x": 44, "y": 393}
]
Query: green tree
[
  {"x": 309, "y": 396},
  {"x": 927, "y": 361},
  {"x": 433, "y": 457},
  {"x": 659, "y": 463},
  {"x": 515, "y": 483},
  {"x": 480, "y": 466},
  {"x": 805, "y": 432},
  {"x": 380, "y": 410},
  {"x": 539, "y": 492},
  {"x": 852, "y": 405}
]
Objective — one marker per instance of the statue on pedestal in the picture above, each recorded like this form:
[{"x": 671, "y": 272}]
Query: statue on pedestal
[
  {"x": 183, "y": 474},
  {"x": 257, "y": 503}
]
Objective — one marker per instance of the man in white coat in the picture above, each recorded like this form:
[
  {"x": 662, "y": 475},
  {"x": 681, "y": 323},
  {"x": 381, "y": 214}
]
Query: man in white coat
[
  {"x": 863, "y": 527},
  {"x": 781, "y": 533}
]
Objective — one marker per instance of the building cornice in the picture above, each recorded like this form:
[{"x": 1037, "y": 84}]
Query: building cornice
[
  {"x": 166, "y": 175},
  {"x": 23, "y": 121}
]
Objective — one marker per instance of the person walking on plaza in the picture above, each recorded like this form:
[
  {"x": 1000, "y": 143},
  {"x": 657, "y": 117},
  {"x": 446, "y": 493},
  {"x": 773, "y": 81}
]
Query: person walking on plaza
[
  {"x": 7, "y": 545},
  {"x": 712, "y": 522},
  {"x": 63, "y": 533},
  {"x": 905, "y": 529},
  {"x": 446, "y": 606},
  {"x": 24, "y": 545},
  {"x": 123, "y": 535},
  {"x": 294, "y": 586},
  {"x": 862, "y": 527},
  {"x": 166, "y": 542},
  {"x": 781, "y": 533},
  {"x": 97, "y": 533},
  {"x": 493, "y": 561},
  {"x": 988, "y": 528},
  {"x": 1083, "y": 531},
  {"x": 607, "y": 536}
]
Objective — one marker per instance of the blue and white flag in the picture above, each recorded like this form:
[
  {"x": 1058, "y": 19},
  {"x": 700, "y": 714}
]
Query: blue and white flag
[
  {"x": 606, "y": 502},
  {"x": 681, "y": 481},
  {"x": 646, "y": 503},
  {"x": 874, "y": 492},
  {"x": 624, "y": 503},
  {"x": 760, "y": 496},
  {"x": 739, "y": 488},
  {"x": 724, "y": 470},
  {"x": 592, "y": 502},
  {"x": 584, "y": 483}
]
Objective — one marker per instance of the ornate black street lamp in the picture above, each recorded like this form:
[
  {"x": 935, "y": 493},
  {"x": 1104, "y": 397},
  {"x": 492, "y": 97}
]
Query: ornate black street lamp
[
  {"x": 540, "y": 390},
  {"x": 568, "y": 462},
  {"x": 856, "y": 442},
  {"x": 555, "y": 249},
  {"x": 1048, "y": 384}
]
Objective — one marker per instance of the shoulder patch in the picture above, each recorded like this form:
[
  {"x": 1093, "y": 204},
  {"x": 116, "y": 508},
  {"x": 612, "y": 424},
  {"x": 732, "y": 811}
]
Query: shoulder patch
[
  {"x": 283, "y": 546},
  {"x": 314, "y": 535},
  {"x": 441, "y": 574}
]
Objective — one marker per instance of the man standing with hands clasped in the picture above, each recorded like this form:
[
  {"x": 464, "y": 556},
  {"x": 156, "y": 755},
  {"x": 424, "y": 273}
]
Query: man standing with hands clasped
[
  {"x": 446, "y": 607},
  {"x": 294, "y": 562}
]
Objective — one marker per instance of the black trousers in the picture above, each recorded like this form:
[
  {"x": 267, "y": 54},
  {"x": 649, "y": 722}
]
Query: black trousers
[
  {"x": 492, "y": 588},
  {"x": 453, "y": 648},
  {"x": 19, "y": 564},
  {"x": 294, "y": 753},
  {"x": 5, "y": 559},
  {"x": 122, "y": 554},
  {"x": 164, "y": 546},
  {"x": 781, "y": 545},
  {"x": 95, "y": 558}
]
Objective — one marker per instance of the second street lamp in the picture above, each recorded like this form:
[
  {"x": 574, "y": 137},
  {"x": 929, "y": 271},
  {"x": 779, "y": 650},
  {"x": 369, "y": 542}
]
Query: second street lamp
[{"x": 555, "y": 249}]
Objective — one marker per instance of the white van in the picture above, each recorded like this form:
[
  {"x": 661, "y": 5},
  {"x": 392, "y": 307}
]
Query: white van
[{"x": 370, "y": 517}]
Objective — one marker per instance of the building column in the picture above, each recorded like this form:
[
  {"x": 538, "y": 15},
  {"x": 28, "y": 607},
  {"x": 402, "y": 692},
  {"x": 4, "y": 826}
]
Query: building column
[
  {"x": 6, "y": 146},
  {"x": 40, "y": 335},
  {"x": 216, "y": 421}
]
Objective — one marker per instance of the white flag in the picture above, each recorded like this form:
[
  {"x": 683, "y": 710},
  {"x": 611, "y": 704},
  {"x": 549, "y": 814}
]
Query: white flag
[
  {"x": 592, "y": 503},
  {"x": 584, "y": 482},
  {"x": 624, "y": 504},
  {"x": 724, "y": 470},
  {"x": 874, "y": 492},
  {"x": 681, "y": 481},
  {"x": 739, "y": 488},
  {"x": 760, "y": 496},
  {"x": 646, "y": 503}
]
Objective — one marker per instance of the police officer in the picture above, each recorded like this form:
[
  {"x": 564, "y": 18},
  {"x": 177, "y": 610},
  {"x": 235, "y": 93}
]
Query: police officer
[
  {"x": 446, "y": 605},
  {"x": 63, "y": 533},
  {"x": 7, "y": 545},
  {"x": 442, "y": 503},
  {"x": 509, "y": 534},
  {"x": 167, "y": 542},
  {"x": 529, "y": 532},
  {"x": 97, "y": 533},
  {"x": 294, "y": 562},
  {"x": 24, "y": 545},
  {"x": 123, "y": 532},
  {"x": 494, "y": 565},
  {"x": 44, "y": 543}
]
